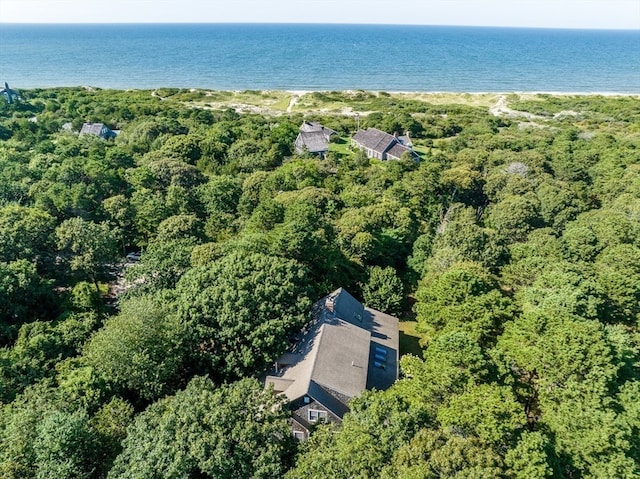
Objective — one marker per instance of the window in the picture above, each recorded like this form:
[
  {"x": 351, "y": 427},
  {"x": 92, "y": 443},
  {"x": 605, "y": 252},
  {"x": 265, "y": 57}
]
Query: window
[
  {"x": 298, "y": 435},
  {"x": 381, "y": 351},
  {"x": 380, "y": 365},
  {"x": 316, "y": 415},
  {"x": 380, "y": 357}
]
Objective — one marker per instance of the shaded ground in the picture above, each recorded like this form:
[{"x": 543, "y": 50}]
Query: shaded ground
[{"x": 409, "y": 339}]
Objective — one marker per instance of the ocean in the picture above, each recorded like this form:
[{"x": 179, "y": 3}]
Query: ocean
[{"x": 320, "y": 57}]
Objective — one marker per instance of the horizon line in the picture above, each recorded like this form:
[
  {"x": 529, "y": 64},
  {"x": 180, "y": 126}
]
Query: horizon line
[{"x": 522, "y": 27}]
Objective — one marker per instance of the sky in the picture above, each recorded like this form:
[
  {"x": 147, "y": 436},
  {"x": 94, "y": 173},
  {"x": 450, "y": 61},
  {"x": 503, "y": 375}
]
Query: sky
[{"x": 602, "y": 14}]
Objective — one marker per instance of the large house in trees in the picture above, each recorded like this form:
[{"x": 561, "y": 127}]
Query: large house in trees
[
  {"x": 344, "y": 349},
  {"x": 383, "y": 146},
  {"x": 313, "y": 138}
]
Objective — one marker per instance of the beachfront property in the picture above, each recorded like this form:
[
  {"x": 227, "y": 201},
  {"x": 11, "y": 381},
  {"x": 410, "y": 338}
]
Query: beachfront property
[
  {"x": 383, "y": 146},
  {"x": 345, "y": 349},
  {"x": 313, "y": 138},
  {"x": 98, "y": 129}
]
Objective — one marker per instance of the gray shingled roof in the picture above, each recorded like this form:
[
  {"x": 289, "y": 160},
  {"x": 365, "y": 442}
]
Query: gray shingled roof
[
  {"x": 312, "y": 141},
  {"x": 312, "y": 126},
  {"x": 336, "y": 357},
  {"x": 328, "y": 400},
  {"x": 397, "y": 150},
  {"x": 97, "y": 129},
  {"x": 384, "y": 143},
  {"x": 374, "y": 139}
]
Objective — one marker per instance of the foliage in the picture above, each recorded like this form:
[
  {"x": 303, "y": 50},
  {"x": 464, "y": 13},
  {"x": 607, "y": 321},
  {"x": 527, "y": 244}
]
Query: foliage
[
  {"x": 89, "y": 247},
  {"x": 384, "y": 290},
  {"x": 238, "y": 311},
  {"x": 235, "y": 431},
  {"x": 137, "y": 350},
  {"x": 24, "y": 296},
  {"x": 516, "y": 246}
]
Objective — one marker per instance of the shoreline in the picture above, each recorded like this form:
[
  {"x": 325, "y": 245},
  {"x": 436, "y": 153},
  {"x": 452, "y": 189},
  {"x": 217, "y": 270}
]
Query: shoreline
[{"x": 351, "y": 91}]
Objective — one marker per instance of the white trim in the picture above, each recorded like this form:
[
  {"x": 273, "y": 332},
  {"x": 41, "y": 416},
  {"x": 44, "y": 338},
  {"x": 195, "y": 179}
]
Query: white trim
[{"x": 317, "y": 414}]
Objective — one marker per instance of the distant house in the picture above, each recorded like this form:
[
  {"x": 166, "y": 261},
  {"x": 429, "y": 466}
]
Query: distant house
[
  {"x": 97, "y": 129},
  {"x": 345, "y": 349},
  {"x": 313, "y": 138},
  {"x": 383, "y": 146}
]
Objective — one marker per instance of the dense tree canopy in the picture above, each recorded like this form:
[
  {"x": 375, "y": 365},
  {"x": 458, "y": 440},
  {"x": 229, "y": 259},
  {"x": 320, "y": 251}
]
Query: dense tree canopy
[
  {"x": 238, "y": 311},
  {"x": 514, "y": 245},
  {"x": 234, "y": 431}
]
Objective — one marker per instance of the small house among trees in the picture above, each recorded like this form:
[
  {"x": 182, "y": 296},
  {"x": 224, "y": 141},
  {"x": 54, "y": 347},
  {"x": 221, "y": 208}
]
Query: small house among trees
[
  {"x": 383, "y": 146},
  {"x": 345, "y": 349},
  {"x": 98, "y": 129},
  {"x": 313, "y": 138}
]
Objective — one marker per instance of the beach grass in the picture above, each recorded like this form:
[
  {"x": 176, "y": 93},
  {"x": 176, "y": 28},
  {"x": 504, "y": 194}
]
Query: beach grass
[{"x": 277, "y": 102}]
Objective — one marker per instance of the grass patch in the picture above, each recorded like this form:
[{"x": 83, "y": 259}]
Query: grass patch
[
  {"x": 409, "y": 339},
  {"x": 421, "y": 150},
  {"x": 340, "y": 146}
]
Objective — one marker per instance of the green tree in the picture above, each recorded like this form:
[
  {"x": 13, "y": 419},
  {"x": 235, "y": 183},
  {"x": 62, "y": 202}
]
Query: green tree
[
  {"x": 239, "y": 311},
  {"x": 24, "y": 297},
  {"x": 378, "y": 424},
  {"x": 529, "y": 458},
  {"x": 464, "y": 297},
  {"x": 514, "y": 217},
  {"x": 234, "y": 431},
  {"x": 25, "y": 233},
  {"x": 459, "y": 238},
  {"x": 452, "y": 363},
  {"x": 120, "y": 215},
  {"x": 39, "y": 347},
  {"x": 90, "y": 248},
  {"x": 618, "y": 275},
  {"x": 487, "y": 411},
  {"x": 65, "y": 446},
  {"x": 137, "y": 350},
  {"x": 433, "y": 454},
  {"x": 384, "y": 290},
  {"x": 110, "y": 424}
]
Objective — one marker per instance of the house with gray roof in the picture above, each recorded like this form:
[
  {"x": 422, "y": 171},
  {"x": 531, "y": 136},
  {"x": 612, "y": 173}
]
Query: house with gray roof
[
  {"x": 97, "y": 129},
  {"x": 313, "y": 138},
  {"x": 345, "y": 349},
  {"x": 383, "y": 146}
]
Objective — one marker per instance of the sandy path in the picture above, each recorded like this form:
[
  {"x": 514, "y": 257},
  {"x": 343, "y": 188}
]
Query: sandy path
[
  {"x": 292, "y": 102},
  {"x": 502, "y": 109}
]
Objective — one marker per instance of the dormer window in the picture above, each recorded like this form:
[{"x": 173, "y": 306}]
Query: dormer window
[{"x": 316, "y": 415}]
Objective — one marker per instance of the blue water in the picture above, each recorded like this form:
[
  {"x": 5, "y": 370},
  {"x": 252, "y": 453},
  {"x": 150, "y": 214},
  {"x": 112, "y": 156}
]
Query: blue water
[{"x": 320, "y": 57}]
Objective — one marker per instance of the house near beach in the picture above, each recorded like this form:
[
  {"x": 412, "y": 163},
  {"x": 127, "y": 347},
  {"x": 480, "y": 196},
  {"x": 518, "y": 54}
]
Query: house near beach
[
  {"x": 313, "y": 138},
  {"x": 98, "y": 129},
  {"x": 345, "y": 349},
  {"x": 383, "y": 146}
]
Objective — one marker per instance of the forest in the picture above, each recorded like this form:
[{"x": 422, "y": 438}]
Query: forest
[{"x": 512, "y": 249}]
